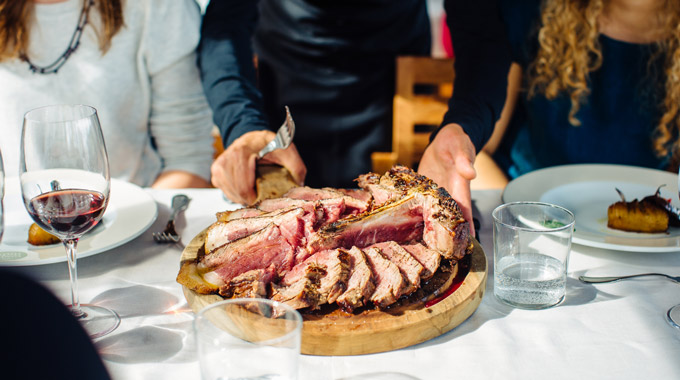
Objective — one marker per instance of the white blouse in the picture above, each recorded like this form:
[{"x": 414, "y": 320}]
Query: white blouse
[{"x": 146, "y": 88}]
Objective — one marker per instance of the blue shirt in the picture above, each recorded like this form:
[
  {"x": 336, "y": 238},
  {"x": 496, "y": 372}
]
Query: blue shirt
[{"x": 617, "y": 118}]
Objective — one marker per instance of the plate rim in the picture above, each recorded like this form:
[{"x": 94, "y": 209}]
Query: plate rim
[
  {"x": 541, "y": 183},
  {"x": 146, "y": 216}
]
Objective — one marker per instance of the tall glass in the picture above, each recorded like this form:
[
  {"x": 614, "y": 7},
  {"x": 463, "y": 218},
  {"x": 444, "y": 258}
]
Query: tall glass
[{"x": 65, "y": 185}]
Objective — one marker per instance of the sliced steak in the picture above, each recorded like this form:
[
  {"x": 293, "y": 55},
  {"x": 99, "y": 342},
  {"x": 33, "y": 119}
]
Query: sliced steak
[
  {"x": 409, "y": 267},
  {"x": 260, "y": 250},
  {"x": 336, "y": 264},
  {"x": 445, "y": 229},
  {"x": 359, "y": 194},
  {"x": 225, "y": 216},
  {"x": 221, "y": 233},
  {"x": 388, "y": 279},
  {"x": 304, "y": 292},
  {"x": 360, "y": 285},
  {"x": 251, "y": 284},
  {"x": 353, "y": 205},
  {"x": 326, "y": 210},
  {"x": 428, "y": 258},
  {"x": 400, "y": 221}
]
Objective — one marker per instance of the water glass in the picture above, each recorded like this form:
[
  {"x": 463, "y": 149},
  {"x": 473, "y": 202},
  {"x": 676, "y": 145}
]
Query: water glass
[
  {"x": 532, "y": 241},
  {"x": 248, "y": 338}
]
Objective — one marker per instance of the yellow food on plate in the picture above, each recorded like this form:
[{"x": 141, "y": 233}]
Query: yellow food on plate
[
  {"x": 637, "y": 216},
  {"x": 652, "y": 214},
  {"x": 38, "y": 236}
]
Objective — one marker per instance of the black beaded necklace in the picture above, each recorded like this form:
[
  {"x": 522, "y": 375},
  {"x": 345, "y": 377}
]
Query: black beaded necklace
[{"x": 73, "y": 45}]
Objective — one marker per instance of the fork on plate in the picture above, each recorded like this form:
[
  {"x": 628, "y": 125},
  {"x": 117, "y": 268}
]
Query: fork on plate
[
  {"x": 180, "y": 202},
  {"x": 283, "y": 138}
]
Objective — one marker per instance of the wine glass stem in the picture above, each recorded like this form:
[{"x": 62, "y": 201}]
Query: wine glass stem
[{"x": 70, "y": 245}]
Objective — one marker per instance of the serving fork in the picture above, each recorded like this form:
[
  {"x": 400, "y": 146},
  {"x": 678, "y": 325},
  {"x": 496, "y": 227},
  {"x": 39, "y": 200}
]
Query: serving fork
[
  {"x": 180, "y": 202},
  {"x": 600, "y": 280},
  {"x": 283, "y": 138}
]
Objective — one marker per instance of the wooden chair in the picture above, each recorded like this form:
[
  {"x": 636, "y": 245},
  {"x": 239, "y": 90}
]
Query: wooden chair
[{"x": 423, "y": 87}]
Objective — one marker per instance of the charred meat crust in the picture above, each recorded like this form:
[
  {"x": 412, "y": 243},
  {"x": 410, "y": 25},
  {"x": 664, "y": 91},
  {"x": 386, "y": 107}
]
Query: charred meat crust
[{"x": 399, "y": 229}]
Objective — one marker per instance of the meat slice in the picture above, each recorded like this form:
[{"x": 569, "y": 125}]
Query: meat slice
[
  {"x": 400, "y": 221},
  {"x": 360, "y": 284},
  {"x": 225, "y": 216},
  {"x": 304, "y": 292},
  {"x": 370, "y": 183},
  {"x": 388, "y": 279},
  {"x": 274, "y": 204},
  {"x": 336, "y": 264},
  {"x": 445, "y": 231},
  {"x": 221, "y": 233},
  {"x": 353, "y": 205},
  {"x": 409, "y": 267},
  {"x": 359, "y": 194},
  {"x": 428, "y": 258},
  {"x": 260, "y": 250},
  {"x": 251, "y": 284},
  {"x": 326, "y": 210}
]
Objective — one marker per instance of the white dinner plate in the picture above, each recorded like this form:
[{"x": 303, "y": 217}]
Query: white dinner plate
[
  {"x": 588, "y": 190},
  {"x": 130, "y": 212}
]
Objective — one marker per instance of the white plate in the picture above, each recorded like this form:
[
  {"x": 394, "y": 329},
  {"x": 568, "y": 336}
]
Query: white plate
[
  {"x": 588, "y": 190},
  {"x": 130, "y": 212}
]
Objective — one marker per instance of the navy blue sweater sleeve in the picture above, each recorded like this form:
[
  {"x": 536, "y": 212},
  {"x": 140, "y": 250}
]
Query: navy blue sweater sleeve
[
  {"x": 482, "y": 61},
  {"x": 227, "y": 69}
]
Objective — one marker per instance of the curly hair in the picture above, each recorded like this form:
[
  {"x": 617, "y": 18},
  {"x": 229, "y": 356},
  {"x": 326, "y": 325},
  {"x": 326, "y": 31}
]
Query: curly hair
[
  {"x": 16, "y": 16},
  {"x": 569, "y": 50}
]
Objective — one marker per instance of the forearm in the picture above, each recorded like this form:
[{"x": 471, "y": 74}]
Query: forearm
[
  {"x": 180, "y": 118},
  {"x": 481, "y": 65},
  {"x": 177, "y": 179},
  {"x": 227, "y": 69}
]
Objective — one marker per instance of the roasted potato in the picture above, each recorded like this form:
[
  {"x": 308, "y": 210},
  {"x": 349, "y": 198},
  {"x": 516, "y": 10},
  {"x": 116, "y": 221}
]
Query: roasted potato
[{"x": 38, "y": 236}]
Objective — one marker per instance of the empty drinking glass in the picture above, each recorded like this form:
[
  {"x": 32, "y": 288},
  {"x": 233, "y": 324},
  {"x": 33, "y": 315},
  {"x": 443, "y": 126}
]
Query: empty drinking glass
[{"x": 248, "y": 338}]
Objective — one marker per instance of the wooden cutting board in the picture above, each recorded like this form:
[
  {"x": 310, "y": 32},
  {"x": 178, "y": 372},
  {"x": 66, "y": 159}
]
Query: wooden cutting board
[{"x": 373, "y": 331}]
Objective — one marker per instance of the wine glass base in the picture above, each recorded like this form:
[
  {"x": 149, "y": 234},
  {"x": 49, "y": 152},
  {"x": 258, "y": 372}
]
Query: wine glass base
[
  {"x": 98, "y": 321},
  {"x": 673, "y": 316}
]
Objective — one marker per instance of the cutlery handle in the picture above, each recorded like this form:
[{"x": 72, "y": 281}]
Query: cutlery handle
[
  {"x": 598, "y": 280},
  {"x": 180, "y": 202}
]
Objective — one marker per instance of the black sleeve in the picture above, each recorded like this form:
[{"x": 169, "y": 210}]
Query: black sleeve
[
  {"x": 482, "y": 61},
  {"x": 227, "y": 70}
]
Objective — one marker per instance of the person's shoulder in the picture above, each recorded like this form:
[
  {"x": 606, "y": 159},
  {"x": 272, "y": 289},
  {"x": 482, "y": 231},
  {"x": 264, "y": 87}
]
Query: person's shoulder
[{"x": 522, "y": 20}]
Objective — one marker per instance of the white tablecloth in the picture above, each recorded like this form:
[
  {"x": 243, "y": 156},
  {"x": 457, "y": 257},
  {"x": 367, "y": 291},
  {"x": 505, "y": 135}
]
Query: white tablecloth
[{"x": 615, "y": 330}]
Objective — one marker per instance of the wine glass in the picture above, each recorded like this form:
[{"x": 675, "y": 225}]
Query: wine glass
[
  {"x": 673, "y": 313},
  {"x": 65, "y": 185}
]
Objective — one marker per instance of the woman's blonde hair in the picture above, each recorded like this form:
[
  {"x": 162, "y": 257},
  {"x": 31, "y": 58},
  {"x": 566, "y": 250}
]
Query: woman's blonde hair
[
  {"x": 569, "y": 50},
  {"x": 16, "y": 16}
]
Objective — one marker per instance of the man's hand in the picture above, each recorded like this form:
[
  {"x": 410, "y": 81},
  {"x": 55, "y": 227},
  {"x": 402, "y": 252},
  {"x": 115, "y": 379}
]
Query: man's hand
[
  {"x": 448, "y": 161},
  {"x": 234, "y": 170}
]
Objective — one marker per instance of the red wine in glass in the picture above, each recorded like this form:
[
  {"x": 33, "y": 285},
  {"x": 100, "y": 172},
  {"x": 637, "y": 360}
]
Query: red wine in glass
[
  {"x": 67, "y": 194},
  {"x": 67, "y": 212}
]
